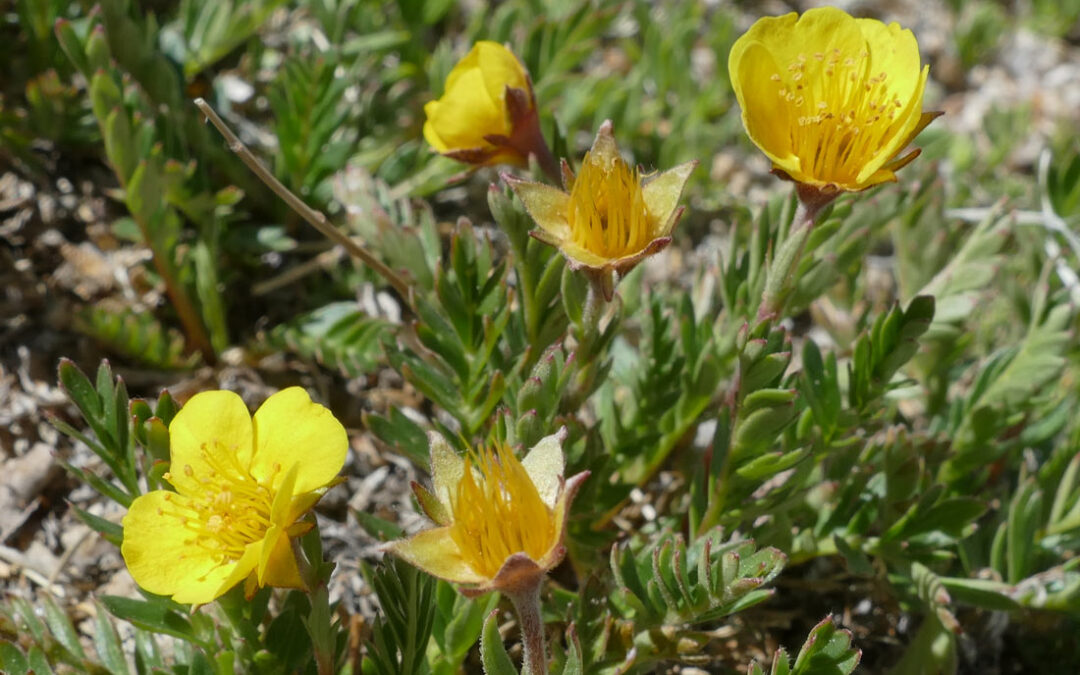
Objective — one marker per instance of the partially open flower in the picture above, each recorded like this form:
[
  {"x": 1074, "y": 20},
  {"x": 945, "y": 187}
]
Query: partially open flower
[
  {"x": 241, "y": 486},
  {"x": 487, "y": 114},
  {"x": 832, "y": 100},
  {"x": 610, "y": 218},
  {"x": 500, "y": 521}
]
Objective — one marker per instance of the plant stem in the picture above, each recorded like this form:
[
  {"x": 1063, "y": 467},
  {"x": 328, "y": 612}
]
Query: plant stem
[
  {"x": 319, "y": 621},
  {"x": 322, "y": 633},
  {"x": 783, "y": 268},
  {"x": 781, "y": 275},
  {"x": 527, "y": 605},
  {"x": 316, "y": 218},
  {"x": 189, "y": 318}
]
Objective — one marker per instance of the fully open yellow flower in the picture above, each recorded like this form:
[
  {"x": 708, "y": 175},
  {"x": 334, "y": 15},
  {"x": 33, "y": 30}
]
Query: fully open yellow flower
[
  {"x": 830, "y": 99},
  {"x": 241, "y": 485},
  {"x": 609, "y": 219},
  {"x": 501, "y": 521},
  {"x": 487, "y": 113}
]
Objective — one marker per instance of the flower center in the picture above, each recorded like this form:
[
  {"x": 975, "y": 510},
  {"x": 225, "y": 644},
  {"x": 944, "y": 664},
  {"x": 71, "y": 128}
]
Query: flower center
[
  {"x": 226, "y": 509},
  {"x": 499, "y": 512},
  {"x": 607, "y": 213},
  {"x": 844, "y": 114}
]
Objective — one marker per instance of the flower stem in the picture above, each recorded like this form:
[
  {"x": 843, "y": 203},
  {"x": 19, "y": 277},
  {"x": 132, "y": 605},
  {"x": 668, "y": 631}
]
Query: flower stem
[
  {"x": 316, "y": 218},
  {"x": 319, "y": 621},
  {"x": 321, "y": 630},
  {"x": 527, "y": 605},
  {"x": 789, "y": 253}
]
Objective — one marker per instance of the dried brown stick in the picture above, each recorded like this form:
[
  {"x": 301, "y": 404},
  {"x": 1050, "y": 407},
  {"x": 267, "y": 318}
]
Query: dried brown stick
[{"x": 316, "y": 218}]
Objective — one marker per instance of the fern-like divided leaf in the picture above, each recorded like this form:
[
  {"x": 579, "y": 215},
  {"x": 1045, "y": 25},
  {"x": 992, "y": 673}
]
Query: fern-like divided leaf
[
  {"x": 891, "y": 343},
  {"x": 667, "y": 582},
  {"x": 400, "y": 638},
  {"x": 137, "y": 336},
  {"x": 338, "y": 335},
  {"x": 33, "y": 644},
  {"x": 827, "y": 651}
]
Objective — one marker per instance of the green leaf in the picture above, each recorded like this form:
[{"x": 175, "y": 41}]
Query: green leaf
[
  {"x": 73, "y": 47},
  {"x": 39, "y": 662},
  {"x": 78, "y": 388},
  {"x": 492, "y": 652},
  {"x": 200, "y": 664},
  {"x": 827, "y": 651},
  {"x": 377, "y": 527},
  {"x": 984, "y": 593},
  {"x": 107, "y": 643},
  {"x": 61, "y": 628},
  {"x": 1024, "y": 519},
  {"x": 664, "y": 581},
  {"x": 574, "y": 662},
  {"x": 154, "y": 615},
  {"x": 400, "y": 433},
  {"x": 891, "y": 343},
  {"x": 12, "y": 659},
  {"x": 113, "y": 532},
  {"x": 28, "y": 618},
  {"x": 458, "y": 623},
  {"x": 400, "y": 638}
]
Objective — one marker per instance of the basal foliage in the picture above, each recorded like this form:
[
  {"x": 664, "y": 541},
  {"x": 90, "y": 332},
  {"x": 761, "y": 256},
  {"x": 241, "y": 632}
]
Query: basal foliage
[{"x": 873, "y": 377}]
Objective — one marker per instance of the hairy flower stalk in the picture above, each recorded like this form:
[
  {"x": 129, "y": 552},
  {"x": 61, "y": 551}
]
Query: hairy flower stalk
[
  {"x": 487, "y": 114},
  {"x": 832, "y": 100},
  {"x": 241, "y": 487},
  {"x": 610, "y": 217},
  {"x": 500, "y": 526}
]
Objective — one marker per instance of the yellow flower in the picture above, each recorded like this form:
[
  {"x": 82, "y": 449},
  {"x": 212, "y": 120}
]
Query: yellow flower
[
  {"x": 830, "y": 99},
  {"x": 610, "y": 219},
  {"x": 501, "y": 521},
  {"x": 487, "y": 114},
  {"x": 241, "y": 485}
]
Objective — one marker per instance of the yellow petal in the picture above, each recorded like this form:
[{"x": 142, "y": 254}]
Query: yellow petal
[
  {"x": 545, "y": 204},
  {"x": 280, "y": 570},
  {"x": 469, "y": 63},
  {"x": 245, "y": 569},
  {"x": 435, "y": 552},
  {"x": 161, "y": 555},
  {"x": 501, "y": 69},
  {"x": 907, "y": 126},
  {"x": 894, "y": 51},
  {"x": 466, "y": 113},
  {"x": 751, "y": 66},
  {"x": 300, "y": 505},
  {"x": 430, "y": 134},
  {"x": 545, "y": 465},
  {"x": 291, "y": 429},
  {"x": 217, "y": 422},
  {"x": 830, "y": 99},
  {"x": 819, "y": 30},
  {"x": 662, "y": 194},
  {"x": 280, "y": 510},
  {"x": 277, "y": 561}
]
